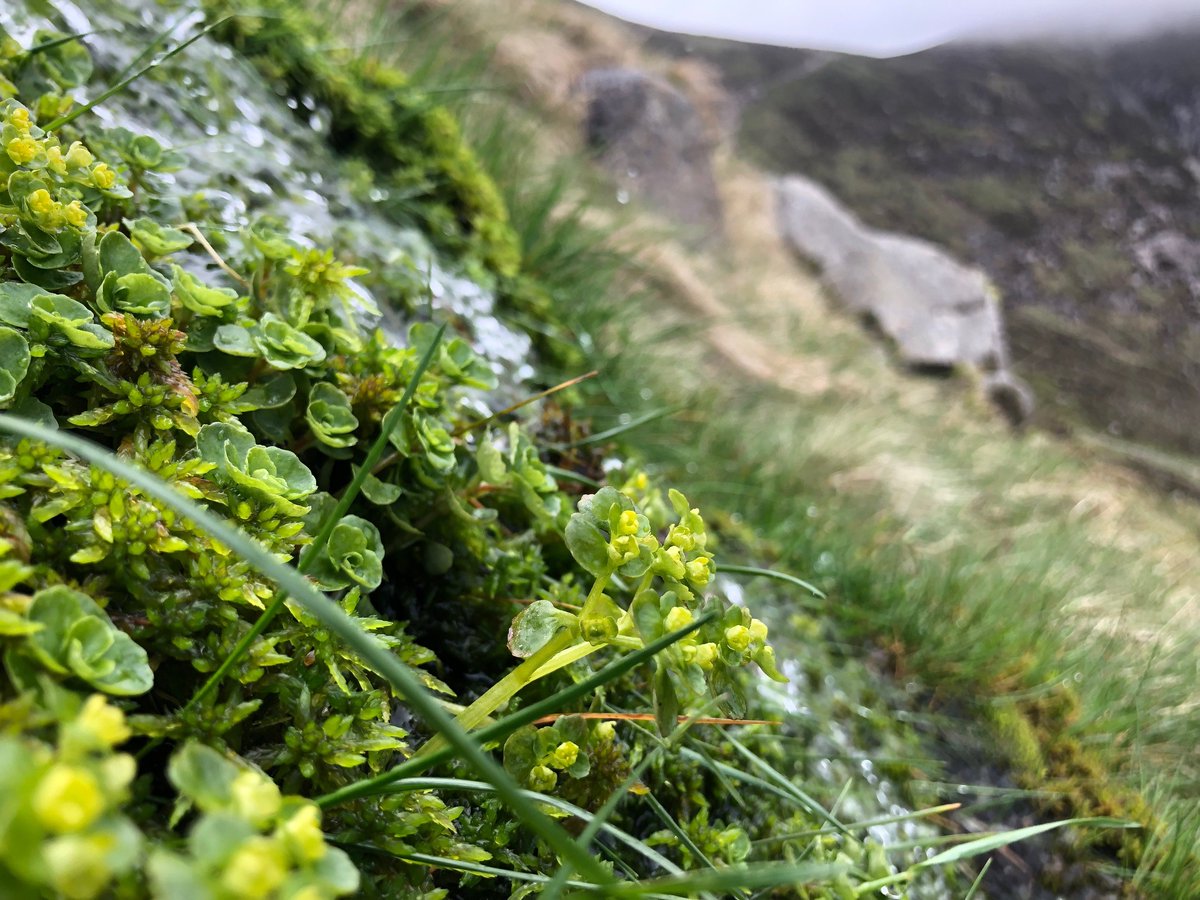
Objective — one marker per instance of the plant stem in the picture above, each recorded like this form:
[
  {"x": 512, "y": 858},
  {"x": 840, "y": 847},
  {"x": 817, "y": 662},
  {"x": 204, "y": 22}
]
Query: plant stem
[{"x": 507, "y": 687}]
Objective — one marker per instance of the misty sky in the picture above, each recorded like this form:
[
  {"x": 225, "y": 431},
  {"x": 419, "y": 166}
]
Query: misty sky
[{"x": 896, "y": 26}]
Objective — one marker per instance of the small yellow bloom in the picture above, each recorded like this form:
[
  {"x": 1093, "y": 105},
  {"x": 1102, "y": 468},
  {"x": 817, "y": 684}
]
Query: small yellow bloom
[
  {"x": 79, "y": 156},
  {"x": 303, "y": 836},
  {"x": 40, "y": 202},
  {"x": 706, "y": 655},
  {"x": 75, "y": 214},
  {"x": 628, "y": 523},
  {"x": 67, "y": 799},
  {"x": 56, "y": 160},
  {"x": 698, "y": 571},
  {"x": 542, "y": 779},
  {"x": 118, "y": 772},
  {"x": 22, "y": 150},
  {"x": 103, "y": 722},
  {"x": 678, "y": 617},
  {"x": 77, "y": 867},
  {"x": 758, "y": 630},
  {"x": 565, "y": 754},
  {"x": 20, "y": 119},
  {"x": 255, "y": 870},
  {"x": 103, "y": 177},
  {"x": 255, "y": 797},
  {"x": 738, "y": 637},
  {"x": 605, "y": 731}
]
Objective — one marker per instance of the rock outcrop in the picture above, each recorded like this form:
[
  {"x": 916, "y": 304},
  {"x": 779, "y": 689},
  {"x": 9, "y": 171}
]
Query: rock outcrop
[
  {"x": 650, "y": 139},
  {"x": 939, "y": 312}
]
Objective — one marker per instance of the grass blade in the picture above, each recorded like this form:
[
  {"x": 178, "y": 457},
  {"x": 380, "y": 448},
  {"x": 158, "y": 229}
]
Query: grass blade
[
  {"x": 717, "y": 880},
  {"x": 128, "y": 80},
  {"x": 771, "y": 573},
  {"x": 331, "y": 616},
  {"x": 975, "y": 885},
  {"x": 1004, "y": 838},
  {"x": 555, "y": 703}
]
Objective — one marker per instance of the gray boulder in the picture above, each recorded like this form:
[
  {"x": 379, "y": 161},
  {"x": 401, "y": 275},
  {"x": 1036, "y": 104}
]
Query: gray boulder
[
  {"x": 649, "y": 138},
  {"x": 939, "y": 312}
]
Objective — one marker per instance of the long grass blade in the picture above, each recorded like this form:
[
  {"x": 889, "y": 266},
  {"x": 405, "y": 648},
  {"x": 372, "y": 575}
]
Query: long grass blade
[
  {"x": 978, "y": 882},
  {"x": 727, "y": 569},
  {"x": 130, "y": 79},
  {"x": 602, "y": 436},
  {"x": 716, "y": 880},
  {"x": 510, "y": 723},
  {"x": 1004, "y": 838},
  {"x": 331, "y": 616},
  {"x": 421, "y": 784}
]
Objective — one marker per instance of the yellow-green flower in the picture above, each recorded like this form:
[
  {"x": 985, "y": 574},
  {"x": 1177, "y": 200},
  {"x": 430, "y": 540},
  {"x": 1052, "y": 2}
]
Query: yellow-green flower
[
  {"x": 67, "y": 799},
  {"x": 678, "y": 617},
  {"x": 565, "y": 754},
  {"x": 255, "y": 797},
  {"x": 77, "y": 867},
  {"x": 22, "y": 150},
  {"x": 255, "y": 870},
  {"x": 56, "y": 161},
  {"x": 542, "y": 778},
  {"x": 738, "y": 637},
  {"x": 79, "y": 156},
  {"x": 698, "y": 570},
  {"x": 627, "y": 523},
  {"x": 75, "y": 214},
  {"x": 758, "y": 630},
  {"x": 705, "y": 656},
  {"x": 605, "y": 732},
  {"x": 102, "y": 176},
  {"x": 303, "y": 836},
  {"x": 103, "y": 722},
  {"x": 19, "y": 119}
]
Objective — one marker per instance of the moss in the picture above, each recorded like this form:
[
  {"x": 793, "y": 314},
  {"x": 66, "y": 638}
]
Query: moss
[
  {"x": 1036, "y": 735},
  {"x": 414, "y": 144}
]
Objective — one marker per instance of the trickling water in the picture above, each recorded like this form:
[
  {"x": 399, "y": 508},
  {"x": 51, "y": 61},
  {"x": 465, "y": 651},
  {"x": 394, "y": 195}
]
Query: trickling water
[
  {"x": 250, "y": 156},
  {"x": 847, "y": 717}
]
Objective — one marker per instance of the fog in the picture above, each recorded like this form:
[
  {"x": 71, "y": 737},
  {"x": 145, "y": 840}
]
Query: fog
[{"x": 889, "y": 27}]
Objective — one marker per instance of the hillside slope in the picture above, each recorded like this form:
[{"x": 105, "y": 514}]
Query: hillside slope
[{"x": 1069, "y": 172}]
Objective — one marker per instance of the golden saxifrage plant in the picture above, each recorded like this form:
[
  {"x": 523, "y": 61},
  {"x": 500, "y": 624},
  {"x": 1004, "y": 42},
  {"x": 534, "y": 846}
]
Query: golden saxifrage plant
[{"x": 163, "y": 732}]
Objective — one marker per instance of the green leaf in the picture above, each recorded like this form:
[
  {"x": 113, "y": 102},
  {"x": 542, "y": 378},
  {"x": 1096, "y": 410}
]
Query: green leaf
[
  {"x": 117, "y": 254},
  {"x": 155, "y": 239},
  {"x": 996, "y": 841},
  {"x": 139, "y": 293},
  {"x": 235, "y": 340},
  {"x": 330, "y": 416},
  {"x": 587, "y": 544},
  {"x": 78, "y": 637},
  {"x": 535, "y": 625},
  {"x": 381, "y": 493},
  {"x": 203, "y": 775},
  {"x": 16, "y": 299},
  {"x": 354, "y": 555},
  {"x": 283, "y": 346},
  {"x": 70, "y": 319},
  {"x": 65, "y": 62},
  {"x": 198, "y": 297},
  {"x": 14, "y": 362}
]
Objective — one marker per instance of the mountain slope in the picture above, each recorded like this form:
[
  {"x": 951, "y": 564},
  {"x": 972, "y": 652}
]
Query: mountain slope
[{"x": 1069, "y": 172}]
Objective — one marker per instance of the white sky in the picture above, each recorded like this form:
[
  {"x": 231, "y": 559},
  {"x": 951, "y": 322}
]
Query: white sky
[{"x": 896, "y": 26}]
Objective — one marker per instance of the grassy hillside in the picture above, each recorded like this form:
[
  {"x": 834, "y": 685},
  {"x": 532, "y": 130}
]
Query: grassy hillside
[
  {"x": 1007, "y": 569},
  {"x": 1048, "y": 165}
]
